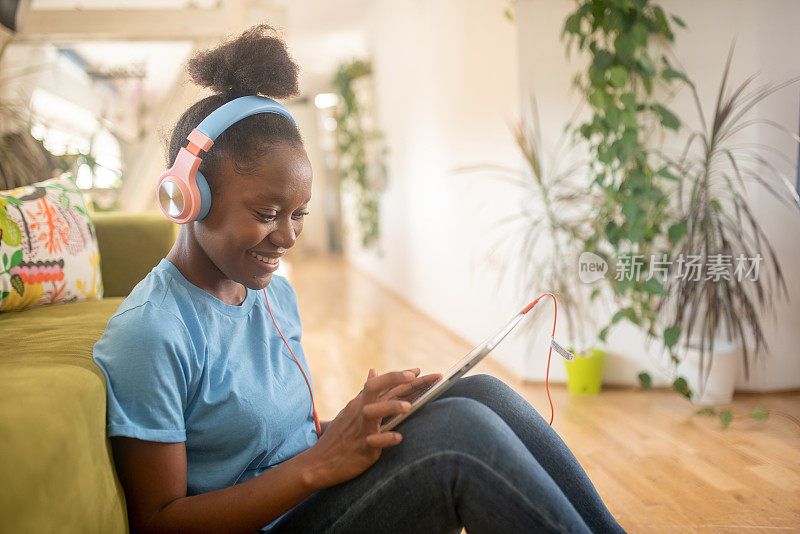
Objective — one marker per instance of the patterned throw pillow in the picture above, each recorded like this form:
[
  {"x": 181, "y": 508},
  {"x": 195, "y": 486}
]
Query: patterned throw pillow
[{"x": 48, "y": 246}]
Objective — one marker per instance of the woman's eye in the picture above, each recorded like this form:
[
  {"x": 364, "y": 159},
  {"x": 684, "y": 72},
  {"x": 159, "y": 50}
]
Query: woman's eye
[{"x": 272, "y": 216}]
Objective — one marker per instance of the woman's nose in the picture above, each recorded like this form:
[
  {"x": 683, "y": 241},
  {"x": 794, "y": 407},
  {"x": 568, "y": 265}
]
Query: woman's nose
[{"x": 284, "y": 236}]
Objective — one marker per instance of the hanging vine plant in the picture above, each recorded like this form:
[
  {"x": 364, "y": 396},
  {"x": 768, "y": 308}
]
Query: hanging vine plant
[
  {"x": 361, "y": 154},
  {"x": 627, "y": 42}
]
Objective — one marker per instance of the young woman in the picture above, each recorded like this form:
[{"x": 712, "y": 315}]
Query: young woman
[{"x": 210, "y": 416}]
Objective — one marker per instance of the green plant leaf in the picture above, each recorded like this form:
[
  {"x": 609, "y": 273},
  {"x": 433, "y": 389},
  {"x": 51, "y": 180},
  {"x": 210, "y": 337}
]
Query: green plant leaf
[
  {"x": 681, "y": 386},
  {"x": 706, "y": 411},
  {"x": 603, "y": 334},
  {"x": 725, "y": 417},
  {"x": 631, "y": 210},
  {"x": 594, "y": 294},
  {"x": 645, "y": 380},
  {"x": 618, "y": 76},
  {"x": 668, "y": 118},
  {"x": 670, "y": 74},
  {"x": 665, "y": 173},
  {"x": 625, "y": 46},
  {"x": 598, "y": 99},
  {"x": 676, "y": 232},
  {"x": 5, "y": 260},
  {"x": 672, "y": 335},
  {"x": 678, "y": 20},
  {"x": 573, "y": 24},
  {"x": 759, "y": 414},
  {"x": 629, "y": 101},
  {"x": 653, "y": 286}
]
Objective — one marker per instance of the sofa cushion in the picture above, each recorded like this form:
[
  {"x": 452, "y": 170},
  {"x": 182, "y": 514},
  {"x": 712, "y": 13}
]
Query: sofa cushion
[
  {"x": 48, "y": 246},
  {"x": 55, "y": 460},
  {"x": 131, "y": 244}
]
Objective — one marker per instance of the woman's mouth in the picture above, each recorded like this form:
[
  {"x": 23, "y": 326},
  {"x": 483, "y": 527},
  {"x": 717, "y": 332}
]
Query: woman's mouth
[{"x": 270, "y": 264}]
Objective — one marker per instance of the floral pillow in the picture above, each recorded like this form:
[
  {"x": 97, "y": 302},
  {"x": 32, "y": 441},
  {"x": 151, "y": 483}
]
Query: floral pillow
[{"x": 48, "y": 246}]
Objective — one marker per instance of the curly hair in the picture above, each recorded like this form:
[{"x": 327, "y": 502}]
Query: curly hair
[{"x": 254, "y": 63}]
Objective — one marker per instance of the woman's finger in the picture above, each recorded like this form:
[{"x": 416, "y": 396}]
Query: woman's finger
[
  {"x": 379, "y": 410},
  {"x": 423, "y": 381},
  {"x": 397, "y": 391},
  {"x": 384, "y": 439},
  {"x": 377, "y": 385}
]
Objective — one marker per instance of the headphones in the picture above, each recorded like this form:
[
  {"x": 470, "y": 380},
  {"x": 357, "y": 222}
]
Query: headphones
[{"x": 182, "y": 192}]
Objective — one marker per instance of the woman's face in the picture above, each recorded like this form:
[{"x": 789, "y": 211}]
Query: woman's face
[{"x": 258, "y": 213}]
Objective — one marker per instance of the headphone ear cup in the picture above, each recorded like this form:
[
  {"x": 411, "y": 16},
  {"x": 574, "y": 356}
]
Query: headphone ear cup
[{"x": 205, "y": 196}]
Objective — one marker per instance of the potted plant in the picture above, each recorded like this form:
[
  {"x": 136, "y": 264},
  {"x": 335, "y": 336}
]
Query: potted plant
[
  {"x": 627, "y": 85},
  {"x": 718, "y": 312}
]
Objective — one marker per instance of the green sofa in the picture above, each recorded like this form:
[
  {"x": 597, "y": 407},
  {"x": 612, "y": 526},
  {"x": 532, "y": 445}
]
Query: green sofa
[{"x": 56, "y": 466}]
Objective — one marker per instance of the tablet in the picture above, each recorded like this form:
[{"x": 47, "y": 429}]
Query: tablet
[{"x": 454, "y": 373}]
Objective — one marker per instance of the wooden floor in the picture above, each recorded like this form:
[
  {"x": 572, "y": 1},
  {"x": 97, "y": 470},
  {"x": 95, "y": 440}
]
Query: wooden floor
[{"x": 658, "y": 467}]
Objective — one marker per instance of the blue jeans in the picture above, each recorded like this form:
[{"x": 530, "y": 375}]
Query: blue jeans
[{"x": 478, "y": 457}]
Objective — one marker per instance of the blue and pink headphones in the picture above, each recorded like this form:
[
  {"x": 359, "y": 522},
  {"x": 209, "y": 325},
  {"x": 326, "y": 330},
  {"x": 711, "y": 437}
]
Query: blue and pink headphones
[{"x": 181, "y": 191}]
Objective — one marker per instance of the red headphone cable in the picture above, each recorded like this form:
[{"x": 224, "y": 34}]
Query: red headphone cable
[
  {"x": 313, "y": 408},
  {"x": 524, "y": 311},
  {"x": 550, "y": 352}
]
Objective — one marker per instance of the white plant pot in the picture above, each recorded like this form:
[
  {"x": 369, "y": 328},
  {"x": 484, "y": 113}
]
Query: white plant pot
[{"x": 722, "y": 378}]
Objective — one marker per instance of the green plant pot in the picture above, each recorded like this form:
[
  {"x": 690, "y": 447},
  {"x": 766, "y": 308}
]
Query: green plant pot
[{"x": 585, "y": 374}]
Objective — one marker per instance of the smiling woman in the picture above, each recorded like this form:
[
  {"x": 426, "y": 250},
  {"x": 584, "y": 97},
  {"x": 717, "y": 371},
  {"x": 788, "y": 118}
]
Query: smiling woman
[{"x": 212, "y": 429}]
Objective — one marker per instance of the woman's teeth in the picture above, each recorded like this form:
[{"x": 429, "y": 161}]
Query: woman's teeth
[{"x": 265, "y": 260}]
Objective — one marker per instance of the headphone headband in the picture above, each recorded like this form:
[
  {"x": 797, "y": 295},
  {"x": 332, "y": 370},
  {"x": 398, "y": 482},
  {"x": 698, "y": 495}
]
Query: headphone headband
[
  {"x": 232, "y": 112},
  {"x": 182, "y": 192}
]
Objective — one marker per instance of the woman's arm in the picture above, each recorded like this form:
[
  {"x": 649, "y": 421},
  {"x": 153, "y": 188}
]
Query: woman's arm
[
  {"x": 154, "y": 478},
  {"x": 154, "y": 474}
]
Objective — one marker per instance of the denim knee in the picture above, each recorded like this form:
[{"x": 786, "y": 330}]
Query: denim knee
[
  {"x": 484, "y": 381},
  {"x": 455, "y": 424}
]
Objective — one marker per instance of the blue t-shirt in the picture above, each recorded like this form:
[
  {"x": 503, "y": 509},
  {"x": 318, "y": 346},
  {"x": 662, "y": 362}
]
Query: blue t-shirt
[{"x": 183, "y": 366}]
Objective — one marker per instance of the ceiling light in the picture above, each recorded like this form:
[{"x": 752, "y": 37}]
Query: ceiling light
[{"x": 326, "y": 100}]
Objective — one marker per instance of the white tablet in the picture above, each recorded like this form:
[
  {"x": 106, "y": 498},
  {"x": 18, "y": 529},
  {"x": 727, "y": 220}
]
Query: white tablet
[{"x": 454, "y": 373}]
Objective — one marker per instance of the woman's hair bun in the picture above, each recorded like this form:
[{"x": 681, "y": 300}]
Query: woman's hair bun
[{"x": 256, "y": 62}]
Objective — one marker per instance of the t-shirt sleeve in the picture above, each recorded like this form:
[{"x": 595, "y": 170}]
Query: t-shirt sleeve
[{"x": 145, "y": 355}]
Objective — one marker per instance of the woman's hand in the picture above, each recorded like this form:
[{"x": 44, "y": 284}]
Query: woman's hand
[
  {"x": 413, "y": 390},
  {"x": 352, "y": 442}
]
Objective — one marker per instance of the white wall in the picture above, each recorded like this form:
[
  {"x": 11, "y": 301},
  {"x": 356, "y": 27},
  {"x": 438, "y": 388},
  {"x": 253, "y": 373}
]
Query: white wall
[
  {"x": 449, "y": 75},
  {"x": 446, "y": 85}
]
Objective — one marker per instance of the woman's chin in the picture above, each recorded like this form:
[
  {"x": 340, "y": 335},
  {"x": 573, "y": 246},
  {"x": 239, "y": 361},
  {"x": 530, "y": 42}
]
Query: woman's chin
[{"x": 259, "y": 282}]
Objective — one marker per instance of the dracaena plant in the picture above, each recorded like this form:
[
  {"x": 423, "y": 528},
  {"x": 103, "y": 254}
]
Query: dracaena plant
[
  {"x": 547, "y": 231},
  {"x": 553, "y": 213},
  {"x": 719, "y": 226}
]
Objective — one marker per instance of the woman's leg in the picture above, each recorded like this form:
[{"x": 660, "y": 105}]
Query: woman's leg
[
  {"x": 459, "y": 464},
  {"x": 543, "y": 442}
]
